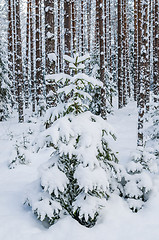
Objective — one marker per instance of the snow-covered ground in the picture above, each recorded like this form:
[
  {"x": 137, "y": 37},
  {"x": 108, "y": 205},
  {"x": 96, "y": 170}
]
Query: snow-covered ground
[{"x": 116, "y": 223}]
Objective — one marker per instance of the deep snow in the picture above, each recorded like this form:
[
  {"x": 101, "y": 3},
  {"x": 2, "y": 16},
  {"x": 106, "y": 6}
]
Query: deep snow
[{"x": 117, "y": 221}]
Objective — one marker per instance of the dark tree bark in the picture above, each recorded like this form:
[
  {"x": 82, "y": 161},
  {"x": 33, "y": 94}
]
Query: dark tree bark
[
  {"x": 67, "y": 29},
  {"x": 39, "y": 77},
  {"x": 124, "y": 51},
  {"x": 19, "y": 74},
  {"x": 33, "y": 92},
  {"x": 59, "y": 50},
  {"x": 120, "y": 84},
  {"x": 155, "y": 52},
  {"x": 89, "y": 24},
  {"x": 74, "y": 26},
  {"x": 10, "y": 47},
  {"x": 27, "y": 55},
  {"x": 102, "y": 62},
  {"x": 50, "y": 51},
  {"x": 82, "y": 27},
  {"x": 142, "y": 65},
  {"x": 135, "y": 49}
]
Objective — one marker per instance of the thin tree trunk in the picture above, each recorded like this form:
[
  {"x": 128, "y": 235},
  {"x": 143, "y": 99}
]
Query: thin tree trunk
[
  {"x": 120, "y": 84},
  {"x": 32, "y": 58},
  {"x": 102, "y": 63},
  {"x": 50, "y": 50},
  {"x": 38, "y": 57},
  {"x": 14, "y": 52},
  {"x": 135, "y": 49},
  {"x": 89, "y": 24},
  {"x": 82, "y": 27},
  {"x": 105, "y": 29},
  {"x": 142, "y": 64},
  {"x": 74, "y": 25},
  {"x": 27, "y": 56},
  {"x": 124, "y": 51},
  {"x": 59, "y": 38},
  {"x": 10, "y": 47},
  {"x": 19, "y": 74},
  {"x": 67, "y": 29},
  {"x": 155, "y": 52},
  {"x": 139, "y": 47}
]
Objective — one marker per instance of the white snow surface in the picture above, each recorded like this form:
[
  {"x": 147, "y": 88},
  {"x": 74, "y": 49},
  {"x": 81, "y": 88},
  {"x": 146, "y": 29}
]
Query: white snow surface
[{"x": 117, "y": 222}]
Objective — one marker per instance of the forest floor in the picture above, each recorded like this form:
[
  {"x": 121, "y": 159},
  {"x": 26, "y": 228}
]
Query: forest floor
[{"x": 117, "y": 222}]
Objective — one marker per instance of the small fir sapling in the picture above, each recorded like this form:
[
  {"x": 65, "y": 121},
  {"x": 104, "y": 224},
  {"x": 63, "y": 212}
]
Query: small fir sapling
[
  {"x": 21, "y": 153},
  {"x": 82, "y": 171},
  {"x": 137, "y": 182}
]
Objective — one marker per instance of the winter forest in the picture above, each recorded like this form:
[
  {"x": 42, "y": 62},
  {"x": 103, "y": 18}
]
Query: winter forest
[{"x": 79, "y": 119}]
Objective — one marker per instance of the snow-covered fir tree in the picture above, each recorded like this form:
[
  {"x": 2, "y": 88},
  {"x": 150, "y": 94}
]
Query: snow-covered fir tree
[{"x": 82, "y": 171}]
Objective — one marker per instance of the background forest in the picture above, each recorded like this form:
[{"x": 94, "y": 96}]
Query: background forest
[{"x": 70, "y": 73}]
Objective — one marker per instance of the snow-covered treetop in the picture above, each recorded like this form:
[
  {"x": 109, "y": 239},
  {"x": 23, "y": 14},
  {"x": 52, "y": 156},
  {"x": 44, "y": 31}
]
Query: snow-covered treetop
[{"x": 72, "y": 90}]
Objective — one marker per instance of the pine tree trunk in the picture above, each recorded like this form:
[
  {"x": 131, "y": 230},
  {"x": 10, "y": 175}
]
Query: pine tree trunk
[
  {"x": 50, "y": 51},
  {"x": 10, "y": 46},
  {"x": 27, "y": 56},
  {"x": 135, "y": 49},
  {"x": 127, "y": 52},
  {"x": 82, "y": 27},
  {"x": 110, "y": 53},
  {"x": 124, "y": 50},
  {"x": 139, "y": 47},
  {"x": 59, "y": 50},
  {"x": 105, "y": 30},
  {"x": 19, "y": 74},
  {"x": 142, "y": 64},
  {"x": 120, "y": 84},
  {"x": 32, "y": 58},
  {"x": 14, "y": 53},
  {"x": 102, "y": 63},
  {"x": 67, "y": 29},
  {"x": 146, "y": 53},
  {"x": 155, "y": 52},
  {"x": 89, "y": 24},
  {"x": 73, "y": 26},
  {"x": 38, "y": 57}
]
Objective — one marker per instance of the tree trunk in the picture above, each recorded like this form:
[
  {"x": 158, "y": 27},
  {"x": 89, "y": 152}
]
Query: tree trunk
[
  {"x": 124, "y": 51},
  {"x": 142, "y": 64},
  {"x": 135, "y": 49},
  {"x": 155, "y": 52},
  {"x": 50, "y": 51},
  {"x": 27, "y": 56},
  {"x": 32, "y": 58},
  {"x": 67, "y": 29},
  {"x": 19, "y": 74},
  {"x": 120, "y": 84},
  {"x": 102, "y": 63},
  {"x": 10, "y": 45},
  {"x": 39, "y": 77}
]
